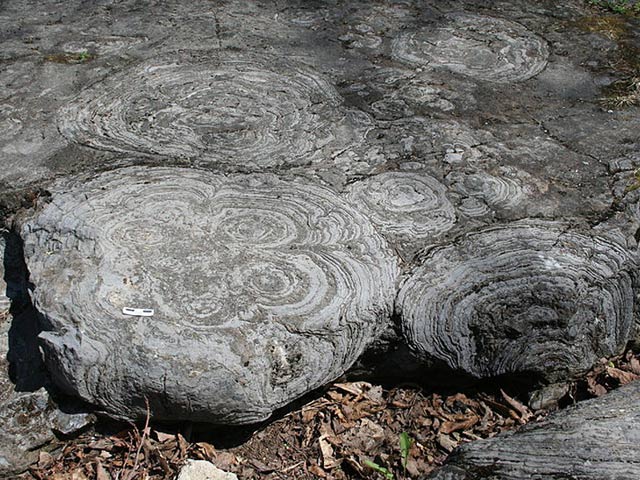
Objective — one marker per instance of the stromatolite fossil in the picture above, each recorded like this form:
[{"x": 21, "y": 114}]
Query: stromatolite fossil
[
  {"x": 524, "y": 297},
  {"x": 263, "y": 289},
  {"x": 477, "y": 46},
  {"x": 407, "y": 207},
  {"x": 232, "y": 108}
]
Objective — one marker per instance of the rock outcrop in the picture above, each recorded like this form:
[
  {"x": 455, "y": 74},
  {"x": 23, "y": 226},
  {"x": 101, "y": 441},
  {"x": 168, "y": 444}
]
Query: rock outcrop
[
  {"x": 263, "y": 288},
  {"x": 531, "y": 297},
  {"x": 593, "y": 440}
]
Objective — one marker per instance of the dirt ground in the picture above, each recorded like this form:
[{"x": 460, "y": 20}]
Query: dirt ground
[{"x": 352, "y": 430}]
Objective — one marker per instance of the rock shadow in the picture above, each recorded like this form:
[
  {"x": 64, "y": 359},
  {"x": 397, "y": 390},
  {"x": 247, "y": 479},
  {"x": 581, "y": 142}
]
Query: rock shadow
[{"x": 26, "y": 366}]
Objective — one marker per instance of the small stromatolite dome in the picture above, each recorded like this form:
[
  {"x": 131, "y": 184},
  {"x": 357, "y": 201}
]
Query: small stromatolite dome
[
  {"x": 476, "y": 46},
  {"x": 232, "y": 108},
  {"x": 408, "y": 208},
  {"x": 263, "y": 288},
  {"x": 525, "y": 297}
]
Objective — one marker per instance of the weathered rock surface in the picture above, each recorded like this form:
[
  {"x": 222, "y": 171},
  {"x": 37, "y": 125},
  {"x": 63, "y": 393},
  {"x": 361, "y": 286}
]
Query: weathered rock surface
[
  {"x": 596, "y": 439},
  {"x": 249, "y": 111},
  {"x": 406, "y": 207},
  {"x": 203, "y": 470},
  {"x": 449, "y": 126},
  {"x": 28, "y": 416},
  {"x": 30, "y": 420},
  {"x": 264, "y": 288},
  {"x": 478, "y": 46},
  {"x": 527, "y": 297}
]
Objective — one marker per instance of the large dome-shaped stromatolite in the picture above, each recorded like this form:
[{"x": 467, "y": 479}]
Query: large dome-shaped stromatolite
[
  {"x": 263, "y": 289},
  {"x": 522, "y": 297},
  {"x": 233, "y": 109},
  {"x": 477, "y": 46}
]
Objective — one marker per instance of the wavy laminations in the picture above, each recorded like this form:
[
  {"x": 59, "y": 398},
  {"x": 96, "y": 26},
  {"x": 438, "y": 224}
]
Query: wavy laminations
[
  {"x": 483, "y": 192},
  {"x": 263, "y": 289},
  {"x": 238, "y": 110},
  {"x": 592, "y": 440},
  {"x": 477, "y": 46},
  {"x": 405, "y": 206},
  {"x": 523, "y": 297}
]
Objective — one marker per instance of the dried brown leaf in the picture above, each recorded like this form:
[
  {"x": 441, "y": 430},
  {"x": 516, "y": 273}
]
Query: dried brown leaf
[
  {"x": 183, "y": 446},
  {"x": 226, "y": 460},
  {"x": 446, "y": 442},
  {"x": 449, "y": 427},
  {"x": 78, "y": 475},
  {"x": 622, "y": 376},
  {"x": 594, "y": 388},
  {"x": 634, "y": 365},
  {"x": 328, "y": 455},
  {"x": 524, "y": 413},
  {"x": 261, "y": 467},
  {"x": 164, "y": 437},
  {"x": 317, "y": 471},
  {"x": 101, "y": 472},
  {"x": 335, "y": 396},
  {"x": 309, "y": 414},
  {"x": 354, "y": 388}
]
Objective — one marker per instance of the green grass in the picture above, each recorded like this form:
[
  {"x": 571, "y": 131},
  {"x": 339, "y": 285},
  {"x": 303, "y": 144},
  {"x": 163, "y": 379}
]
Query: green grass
[
  {"x": 69, "y": 58},
  {"x": 622, "y": 7}
]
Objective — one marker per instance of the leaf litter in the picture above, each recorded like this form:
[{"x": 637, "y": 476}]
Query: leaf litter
[{"x": 353, "y": 430}]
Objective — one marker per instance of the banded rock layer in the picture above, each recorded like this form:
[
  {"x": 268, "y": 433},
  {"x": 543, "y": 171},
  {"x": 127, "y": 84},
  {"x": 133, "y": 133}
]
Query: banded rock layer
[
  {"x": 263, "y": 289},
  {"x": 407, "y": 207},
  {"x": 234, "y": 109},
  {"x": 477, "y": 46},
  {"x": 524, "y": 297},
  {"x": 594, "y": 440}
]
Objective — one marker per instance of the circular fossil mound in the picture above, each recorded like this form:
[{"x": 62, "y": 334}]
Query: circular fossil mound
[
  {"x": 234, "y": 109},
  {"x": 477, "y": 46},
  {"x": 505, "y": 189},
  {"x": 525, "y": 297},
  {"x": 263, "y": 289},
  {"x": 405, "y": 206}
]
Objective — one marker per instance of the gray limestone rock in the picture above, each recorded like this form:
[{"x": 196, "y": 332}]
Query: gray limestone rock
[
  {"x": 263, "y": 288},
  {"x": 525, "y": 297},
  {"x": 250, "y": 111},
  {"x": 478, "y": 46},
  {"x": 594, "y": 440},
  {"x": 406, "y": 207},
  {"x": 203, "y": 470},
  {"x": 28, "y": 421},
  {"x": 29, "y": 418}
]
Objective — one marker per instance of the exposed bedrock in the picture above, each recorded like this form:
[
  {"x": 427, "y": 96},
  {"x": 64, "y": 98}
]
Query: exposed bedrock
[
  {"x": 230, "y": 108},
  {"x": 28, "y": 415},
  {"x": 477, "y": 46},
  {"x": 408, "y": 208},
  {"x": 263, "y": 288},
  {"x": 594, "y": 440},
  {"x": 525, "y": 297}
]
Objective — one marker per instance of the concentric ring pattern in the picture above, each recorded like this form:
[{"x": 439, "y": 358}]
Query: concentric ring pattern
[
  {"x": 525, "y": 297},
  {"x": 273, "y": 285},
  {"x": 477, "y": 46},
  {"x": 404, "y": 205},
  {"x": 233, "y": 109}
]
